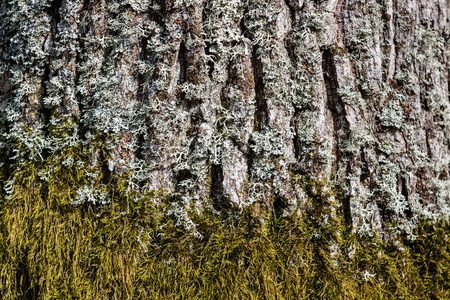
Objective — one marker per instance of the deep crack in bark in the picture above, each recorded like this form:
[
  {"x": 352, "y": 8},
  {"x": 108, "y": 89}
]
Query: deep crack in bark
[{"x": 336, "y": 107}]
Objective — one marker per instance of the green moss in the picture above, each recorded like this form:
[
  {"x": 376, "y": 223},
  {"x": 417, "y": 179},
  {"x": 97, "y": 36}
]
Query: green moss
[{"x": 133, "y": 249}]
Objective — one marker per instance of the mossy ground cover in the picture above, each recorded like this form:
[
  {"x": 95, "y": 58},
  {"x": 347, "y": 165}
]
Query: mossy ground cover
[{"x": 50, "y": 249}]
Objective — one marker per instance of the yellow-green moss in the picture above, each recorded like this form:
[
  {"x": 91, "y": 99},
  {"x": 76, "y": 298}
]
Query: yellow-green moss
[{"x": 131, "y": 249}]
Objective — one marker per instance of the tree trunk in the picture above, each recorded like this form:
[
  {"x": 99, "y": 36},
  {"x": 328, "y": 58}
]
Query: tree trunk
[{"x": 230, "y": 102}]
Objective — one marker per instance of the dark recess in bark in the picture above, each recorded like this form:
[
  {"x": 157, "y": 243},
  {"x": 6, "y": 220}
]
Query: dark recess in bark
[
  {"x": 336, "y": 107},
  {"x": 404, "y": 187},
  {"x": 217, "y": 195},
  {"x": 261, "y": 113}
]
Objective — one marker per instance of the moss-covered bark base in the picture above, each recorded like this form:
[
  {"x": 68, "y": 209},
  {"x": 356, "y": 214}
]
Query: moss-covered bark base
[{"x": 134, "y": 249}]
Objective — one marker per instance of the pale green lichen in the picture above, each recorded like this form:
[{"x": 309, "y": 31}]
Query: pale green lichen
[{"x": 392, "y": 115}]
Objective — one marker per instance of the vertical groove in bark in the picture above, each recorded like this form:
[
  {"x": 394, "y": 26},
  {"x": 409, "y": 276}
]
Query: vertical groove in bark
[
  {"x": 292, "y": 11},
  {"x": 216, "y": 190},
  {"x": 80, "y": 40},
  {"x": 46, "y": 110},
  {"x": 404, "y": 191},
  {"x": 210, "y": 62},
  {"x": 53, "y": 12},
  {"x": 182, "y": 60},
  {"x": 340, "y": 124},
  {"x": 142, "y": 96},
  {"x": 333, "y": 103},
  {"x": 182, "y": 78},
  {"x": 261, "y": 117}
]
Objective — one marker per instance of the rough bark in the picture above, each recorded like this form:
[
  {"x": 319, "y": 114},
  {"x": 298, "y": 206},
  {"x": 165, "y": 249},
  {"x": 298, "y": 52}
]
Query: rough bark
[{"x": 224, "y": 102}]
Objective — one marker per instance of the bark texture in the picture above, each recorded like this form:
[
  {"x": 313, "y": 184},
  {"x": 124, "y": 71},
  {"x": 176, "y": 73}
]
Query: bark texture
[{"x": 225, "y": 102}]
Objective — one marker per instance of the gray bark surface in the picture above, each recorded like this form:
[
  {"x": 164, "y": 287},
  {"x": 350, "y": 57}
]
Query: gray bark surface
[{"x": 223, "y": 102}]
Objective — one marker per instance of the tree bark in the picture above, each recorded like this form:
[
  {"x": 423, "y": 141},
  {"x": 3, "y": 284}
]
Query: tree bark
[{"x": 227, "y": 102}]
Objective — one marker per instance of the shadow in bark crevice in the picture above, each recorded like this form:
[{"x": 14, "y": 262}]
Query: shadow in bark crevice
[{"x": 340, "y": 124}]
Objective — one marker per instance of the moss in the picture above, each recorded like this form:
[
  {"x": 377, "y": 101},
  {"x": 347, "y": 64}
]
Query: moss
[{"x": 133, "y": 249}]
